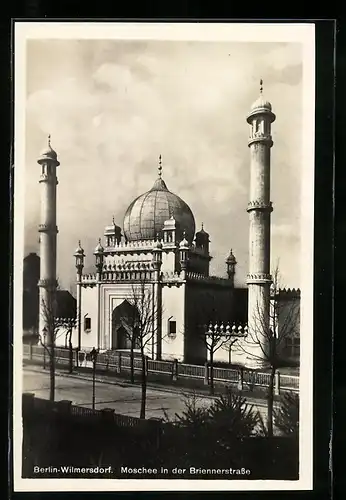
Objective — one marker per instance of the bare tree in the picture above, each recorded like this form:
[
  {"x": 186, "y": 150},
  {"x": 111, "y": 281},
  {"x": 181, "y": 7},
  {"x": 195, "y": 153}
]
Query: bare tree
[
  {"x": 56, "y": 326},
  {"x": 48, "y": 337},
  {"x": 68, "y": 324},
  {"x": 211, "y": 331},
  {"x": 232, "y": 339},
  {"x": 266, "y": 336},
  {"x": 215, "y": 337},
  {"x": 144, "y": 325}
]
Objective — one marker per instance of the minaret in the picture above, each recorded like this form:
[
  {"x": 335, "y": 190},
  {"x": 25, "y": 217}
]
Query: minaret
[
  {"x": 259, "y": 209},
  {"x": 48, "y": 235}
]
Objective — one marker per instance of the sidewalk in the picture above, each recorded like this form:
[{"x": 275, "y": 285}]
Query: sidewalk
[{"x": 253, "y": 397}]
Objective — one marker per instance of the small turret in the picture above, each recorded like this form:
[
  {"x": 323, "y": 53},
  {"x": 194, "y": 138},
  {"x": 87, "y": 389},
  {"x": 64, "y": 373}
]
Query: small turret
[
  {"x": 157, "y": 254},
  {"x": 184, "y": 249},
  {"x": 231, "y": 263},
  {"x": 112, "y": 234},
  {"x": 99, "y": 254},
  {"x": 202, "y": 240},
  {"x": 79, "y": 256}
]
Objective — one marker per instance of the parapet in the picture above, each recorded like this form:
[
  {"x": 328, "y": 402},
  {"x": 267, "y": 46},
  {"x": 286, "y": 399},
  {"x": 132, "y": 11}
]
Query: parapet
[
  {"x": 288, "y": 293},
  {"x": 227, "y": 329}
]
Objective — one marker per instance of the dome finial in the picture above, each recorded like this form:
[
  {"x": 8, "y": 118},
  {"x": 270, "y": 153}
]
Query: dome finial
[
  {"x": 160, "y": 166},
  {"x": 261, "y": 86}
]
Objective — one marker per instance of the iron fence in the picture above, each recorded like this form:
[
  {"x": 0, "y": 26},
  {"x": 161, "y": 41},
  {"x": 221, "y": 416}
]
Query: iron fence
[{"x": 120, "y": 361}]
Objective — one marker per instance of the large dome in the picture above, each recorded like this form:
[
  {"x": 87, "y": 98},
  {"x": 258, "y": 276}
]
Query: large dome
[{"x": 146, "y": 215}]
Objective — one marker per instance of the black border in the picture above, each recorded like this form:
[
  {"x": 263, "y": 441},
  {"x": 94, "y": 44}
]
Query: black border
[{"x": 323, "y": 258}]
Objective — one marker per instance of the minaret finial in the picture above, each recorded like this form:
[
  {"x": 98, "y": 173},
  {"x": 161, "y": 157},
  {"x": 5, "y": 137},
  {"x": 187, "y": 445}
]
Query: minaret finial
[
  {"x": 113, "y": 221},
  {"x": 160, "y": 166},
  {"x": 79, "y": 243},
  {"x": 202, "y": 225},
  {"x": 49, "y": 140},
  {"x": 99, "y": 241},
  {"x": 261, "y": 86}
]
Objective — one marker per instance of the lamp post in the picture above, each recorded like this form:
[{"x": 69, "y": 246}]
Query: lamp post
[
  {"x": 44, "y": 331},
  {"x": 79, "y": 256},
  {"x": 99, "y": 257},
  {"x": 93, "y": 354}
]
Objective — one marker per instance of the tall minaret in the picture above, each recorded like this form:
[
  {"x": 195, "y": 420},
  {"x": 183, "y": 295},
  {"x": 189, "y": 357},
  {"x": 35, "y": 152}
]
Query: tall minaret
[
  {"x": 48, "y": 234},
  {"x": 259, "y": 209}
]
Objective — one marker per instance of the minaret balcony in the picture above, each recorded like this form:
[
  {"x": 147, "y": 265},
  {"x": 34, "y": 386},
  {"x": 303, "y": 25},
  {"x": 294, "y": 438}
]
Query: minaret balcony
[
  {"x": 260, "y": 206},
  {"x": 48, "y": 228},
  {"x": 48, "y": 178},
  {"x": 260, "y": 138},
  {"x": 259, "y": 278}
]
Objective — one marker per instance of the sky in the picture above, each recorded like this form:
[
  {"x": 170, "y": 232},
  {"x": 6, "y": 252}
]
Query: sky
[{"x": 112, "y": 107}]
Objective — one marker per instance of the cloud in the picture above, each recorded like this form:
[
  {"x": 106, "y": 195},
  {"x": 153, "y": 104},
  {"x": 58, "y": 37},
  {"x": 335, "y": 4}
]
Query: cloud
[
  {"x": 285, "y": 230},
  {"x": 118, "y": 106}
]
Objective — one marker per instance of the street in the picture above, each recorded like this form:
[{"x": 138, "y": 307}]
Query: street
[{"x": 122, "y": 398}]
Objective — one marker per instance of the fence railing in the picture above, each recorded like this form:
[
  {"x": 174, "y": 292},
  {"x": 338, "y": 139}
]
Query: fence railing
[
  {"x": 192, "y": 371},
  {"x": 159, "y": 366},
  {"x": 30, "y": 402},
  {"x": 118, "y": 362}
]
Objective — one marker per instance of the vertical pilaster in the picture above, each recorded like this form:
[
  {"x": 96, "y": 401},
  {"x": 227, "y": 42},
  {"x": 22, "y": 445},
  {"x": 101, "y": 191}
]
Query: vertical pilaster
[{"x": 157, "y": 301}]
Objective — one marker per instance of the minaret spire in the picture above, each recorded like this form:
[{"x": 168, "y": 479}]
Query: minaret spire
[{"x": 160, "y": 166}]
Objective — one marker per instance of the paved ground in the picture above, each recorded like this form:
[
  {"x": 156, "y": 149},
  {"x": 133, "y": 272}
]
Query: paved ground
[{"x": 125, "y": 399}]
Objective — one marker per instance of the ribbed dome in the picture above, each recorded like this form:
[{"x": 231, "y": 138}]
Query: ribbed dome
[
  {"x": 261, "y": 103},
  {"x": 48, "y": 153},
  {"x": 145, "y": 217}
]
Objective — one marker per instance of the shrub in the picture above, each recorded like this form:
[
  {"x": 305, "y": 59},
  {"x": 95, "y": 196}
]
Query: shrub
[
  {"x": 231, "y": 415},
  {"x": 195, "y": 416},
  {"x": 286, "y": 418}
]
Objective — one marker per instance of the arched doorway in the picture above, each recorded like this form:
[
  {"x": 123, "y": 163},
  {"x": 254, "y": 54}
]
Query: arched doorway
[{"x": 125, "y": 326}]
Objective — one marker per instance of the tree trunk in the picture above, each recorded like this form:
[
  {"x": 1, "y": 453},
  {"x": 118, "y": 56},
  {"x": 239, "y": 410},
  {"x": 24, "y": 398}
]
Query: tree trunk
[
  {"x": 270, "y": 401},
  {"x": 144, "y": 385},
  {"x": 70, "y": 352},
  {"x": 132, "y": 372},
  {"x": 52, "y": 369},
  {"x": 211, "y": 371}
]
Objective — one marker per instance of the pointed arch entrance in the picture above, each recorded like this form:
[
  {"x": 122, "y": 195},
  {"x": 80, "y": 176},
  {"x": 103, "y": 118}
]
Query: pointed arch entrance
[{"x": 125, "y": 326}]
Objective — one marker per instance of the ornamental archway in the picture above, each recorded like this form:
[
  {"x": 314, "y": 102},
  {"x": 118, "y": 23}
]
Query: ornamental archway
[{"x": 125, "y": 326}]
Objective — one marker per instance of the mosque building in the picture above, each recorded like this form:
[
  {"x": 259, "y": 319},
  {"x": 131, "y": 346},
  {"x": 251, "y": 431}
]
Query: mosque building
[
  {"x": 156, "y": 253},
  {"x": 160, "y": 251}
]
